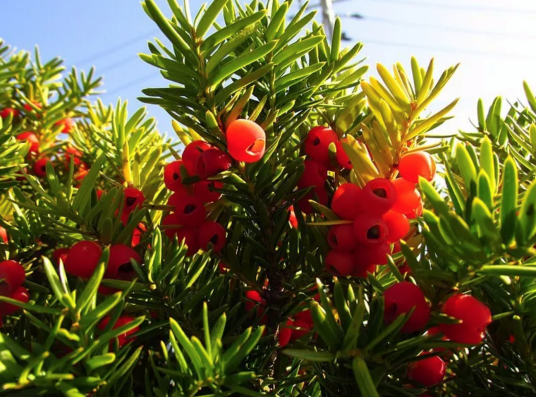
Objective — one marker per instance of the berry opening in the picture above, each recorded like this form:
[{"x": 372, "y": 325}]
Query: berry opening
[
  {"x": 316, "y": 141},
  {"x": 189, "y": 208},
  {"x": 175, "y": 176},
  {"x": 256, "y": 147},
  {"x": 214, "y": 239},
  {"x": 390, "y": 311},
  {"x": 130, "y": 201},
  {"x": 380, "y": 192},
  {"x": 332, "y": 269},
  {"x": 374, "y": 232},
  {"x": 125, "y": 268}
]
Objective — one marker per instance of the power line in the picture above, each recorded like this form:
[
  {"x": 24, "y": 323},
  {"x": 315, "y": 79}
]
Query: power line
[
  {"x": 145, "y": 77},
  {"x": 117, "y": 47},
  {"x": 490, "y": 54},
  {"x": 445, "y": 28},
  {"x": 466, "y": 7},
  {"x": 117, "y": 64}
]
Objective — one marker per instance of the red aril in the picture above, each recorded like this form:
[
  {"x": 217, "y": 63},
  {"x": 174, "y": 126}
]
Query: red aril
[
  {"x": 379, "y": 196},
  {"x": 397, "y": 226},
  {"x": 474, "y": 317},
  {"x": 415, "y": 165},
  {"x": 246, "y": 141},
  {"x": 342, "y": 157},
  {"x": 314, "y": 174},
  {"x": 191, "y": 154},
  {"x": 317, "y": 143},
  {"x": 339, "y": 263},
  {"x": 342, "y": 238},
  {"x": 408, "y": 198},
  {"x": 346, "y": 202},
  {"x": 399, "y": 299}
]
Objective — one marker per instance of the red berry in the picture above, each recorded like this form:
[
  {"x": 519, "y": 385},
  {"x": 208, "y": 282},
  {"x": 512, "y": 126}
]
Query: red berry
[
  {"x": 319, "y": 195},
  {"x": 428, "y": 372},
  {"x": 3, "y": 235},
  {"x": 254, "y": 298},
  {"x": 77, "y": 155},
  {"x": 370, "y": 229},
  {"x": 60, "y": 253},
  {"x": 170, "y": 220},
  {"x": 212, "y": 162},
  {"x": 191, "y": 154},
  {"x": 318, "y": 141},
  {"x": 362, "y": 272},
  {"x": 246, "y": 141},
  {"x": 173, "y": 200},
  {"x": 400, "y": 299},
  {"x": 305, "y": 316},
  {"x": 339, "y": 263},
  {"x": 183, "y": 233},
  {"x": 12, "y": 275},
  {"x": 21, "y": 295},
  {"x": 134, "y": 198},
  {"x": 342, "y": 157},
  {"x": 285, "y": 333},
  {"x": 119, "y": 265},
  {"x": 137, "y": 234},
  {"x": 346, "y": 201},
  {"x": 474, "y": 315},
  {"x": 4, "y": 113},
  {"x": 415, "y": 213},
  {"x": 314, "y": 174},
  {"x": 83, "y": 259},
  {"x": 417, "y": 164},
  {"x": 397, "y": 226},
  {"x": 204, "y": 191},
  {"x": 292, "y": 217},
  {"x": 40, "y": 167},
  {"x": 29, "y": 108},
  {"x": 211, "y": 233},
  {"x": 408, "y": 198},
  {"x": 99, "y": 193},
  {"x": 342, "y": 238},
  {"x": 190, "y": 211},
  {"x": 67, "y": 123},
  {"x": 29, "y": 136},
  {"x": 367, "y": 257},
  {"x": 379, "y": 196},
  {"x": 172, "y": 176},
  {"x": 122, "y": 339},
  {"x": 80, "y": 174},
  {"x": 223, "y": 268},
  {"x": 190, "y": 237},
  {"x": 303, "y": 327}
]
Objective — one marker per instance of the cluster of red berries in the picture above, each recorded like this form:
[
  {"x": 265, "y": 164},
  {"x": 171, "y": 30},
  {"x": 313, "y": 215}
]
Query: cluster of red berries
[
  {"x": 291, "y": 330},
  {"x": 472, "y": 314},
  {"x": 380, "y": 213},
  {"x": 188, "y": 219},
  {"x": 12, "y": 275},
  {"x": 82, "y": 259},
  {"x": 39, "y": 165}
]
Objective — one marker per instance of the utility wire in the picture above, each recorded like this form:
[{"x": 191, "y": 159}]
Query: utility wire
[
  {"x": 446, "y": 28},
  {"x": 465, "y": 7},
  {"x": 146, "y": 77},
  {"x": 117, "y": 47},
  {"x": 490, "y": 54},
  {"x": 115, "y": 65}
]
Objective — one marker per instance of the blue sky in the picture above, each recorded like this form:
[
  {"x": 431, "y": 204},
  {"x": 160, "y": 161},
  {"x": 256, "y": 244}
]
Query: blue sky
[{"x": 492, "y": 39}]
